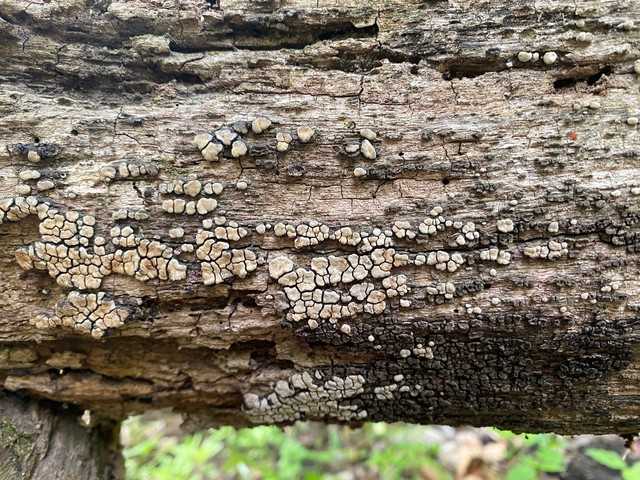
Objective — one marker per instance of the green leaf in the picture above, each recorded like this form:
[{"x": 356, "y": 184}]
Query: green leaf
[
  {"x": 522, "y": 472},
  {"x": 550, "y": 460},
  {"x": 608, "y": 458},
  {"x": 632, "y": 473}
]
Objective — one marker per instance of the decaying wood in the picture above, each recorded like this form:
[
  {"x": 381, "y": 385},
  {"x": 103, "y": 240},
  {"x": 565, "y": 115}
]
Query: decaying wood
[{"x": 497, "y": 226}]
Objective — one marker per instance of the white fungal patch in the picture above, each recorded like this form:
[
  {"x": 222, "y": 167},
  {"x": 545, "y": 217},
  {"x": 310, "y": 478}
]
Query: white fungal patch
[
  {"x": 424, "y": 352},
  {"x": 33, "y": 156},
  {"x": 585, "y": 37},
  {"x": 225, "y": 136},
  {"x": 309, "y": 299},
  {"x": 231, "y": 232},
  {"x": 177, "y": 205},
  {"x": 242, "y": 185},
  {"x": 213, "y": 188},
  {"x": 346, "y": 236},
  {"x": 632, "y": 121},
  {"x": 310, "y": 234},
  {"x": 505, "y": 225},
  {"x": 385, "y": 392},
  {"x": 473, "y": 310},
  {"x": 260, "y": 124},
  {"x": 377, "y": 238},
  {"x": 305, "y": 134},
  {"x": 352, "y": 148},
  {"x": 44, "y": 185},
  {"x": 26, "y": 175},
  {"x": 280, "y": 266},
  {"x": 468, "y": 233},
  {"x": 127, "y": 170},
  {"x": 23, "y": 190},
  {"x": 501, "y": 257},
  {"x": 446, "y": 289},
  {"x": 395, "y": 286},
  {"x": 359, "y": 172},
  {"x": 553, "y": 250},
  {"x": 201, "y": 140},
  {"x": 206, "y": 205},
  {"x": 212, "y": 151},
  {"x": 283, "y": 139},
  {"x": 219, "y": 262},
  {"x": 550, "y": 58},
  {"x": 368, "y": 150},
  {"x": 402, "y": 229},
  {"x": 368, "y": 134},
  {"x": 177, "y": 232},
  {"x": 303, "y": 398},
  {"x": 442, "y": 261},
  {"x": 239, "y": 148},
  {"x": 91, "y": 313},
  {"x": 431, "y": 225},
  {"x": 132, "y": 214},
  {"x": 525, "y": 56},
  {"x": 192, "y": 188},
  {"x": 65, "y": 252}
]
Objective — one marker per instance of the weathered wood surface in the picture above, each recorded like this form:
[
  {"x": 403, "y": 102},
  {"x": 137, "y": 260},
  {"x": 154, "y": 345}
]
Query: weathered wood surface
[
  {"x": 541, "y": 156},
  {"x": 42, "y": 440}
]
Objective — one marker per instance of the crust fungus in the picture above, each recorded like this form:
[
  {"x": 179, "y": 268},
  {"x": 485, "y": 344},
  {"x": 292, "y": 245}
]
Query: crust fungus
[
  {"x": 302, "y": 398},
  {"x": 359, "y": 172},
  {"x": 44, "y": 185},
  {"x": 283, "y": 139},
  {"x": 402, "y": 229},
  {"x": 91, "y": 313},
  {"x": 368, "y": 134},
  {"x": 368, "y": 150},
  {"x": 239, "y": 148},
  {"x": 525, "y": 57},
  {"x": 505, "y": 225},
  {"x": 127, "y": 170},
  {"x": 225, "y": 135},
  {"x": 310, "y": 234},
  {"x": 231, "y": 232},
  {"x": 585, "y": 37},
  {"x": 23, "y": 190},
  {"x": 446, "y": 289},
  {"x": 501, "y": 257},
  {"x": 26, "y": 175},
  {"x": 260, "y": 124},
  {"x": 305, "y": 133},
  {"x": 219, "y": 262},
  {"x": 552, "y": 250}
]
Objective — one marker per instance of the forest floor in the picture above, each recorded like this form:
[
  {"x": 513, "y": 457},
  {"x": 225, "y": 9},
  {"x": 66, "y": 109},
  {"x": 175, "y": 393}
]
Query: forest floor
[{"x": 156, "y": 449}]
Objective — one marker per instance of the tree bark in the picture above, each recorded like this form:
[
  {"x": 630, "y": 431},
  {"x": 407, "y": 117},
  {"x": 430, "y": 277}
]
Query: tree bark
[
  {"x": 41, "y": 440},
  {"x": 417, "y": 211}
]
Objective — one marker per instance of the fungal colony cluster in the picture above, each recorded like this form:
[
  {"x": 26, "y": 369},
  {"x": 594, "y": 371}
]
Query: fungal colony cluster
[
  {"x": 303, "y": 396},
  {"x": 329, "y": 291}
]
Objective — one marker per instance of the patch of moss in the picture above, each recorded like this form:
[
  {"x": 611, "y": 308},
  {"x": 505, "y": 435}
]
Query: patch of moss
[{"x": 14, "y": 443}]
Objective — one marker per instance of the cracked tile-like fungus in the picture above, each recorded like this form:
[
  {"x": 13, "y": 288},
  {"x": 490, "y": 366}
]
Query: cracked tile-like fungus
[{"x": 306, "y": 397}]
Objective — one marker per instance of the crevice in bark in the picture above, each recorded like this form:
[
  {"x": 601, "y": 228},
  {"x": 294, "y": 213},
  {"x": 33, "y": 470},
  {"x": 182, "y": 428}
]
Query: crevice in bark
[
  {"x": 266, "y": 34},
  {"x": 590, "y": 77}
]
